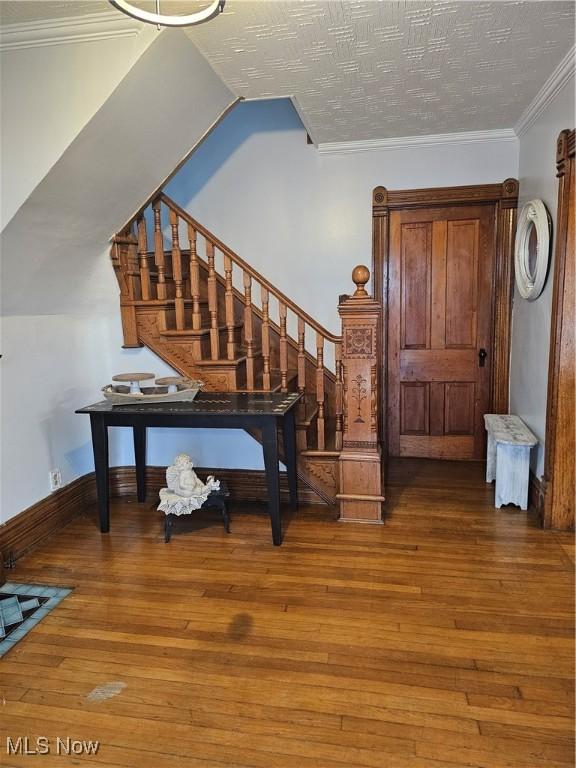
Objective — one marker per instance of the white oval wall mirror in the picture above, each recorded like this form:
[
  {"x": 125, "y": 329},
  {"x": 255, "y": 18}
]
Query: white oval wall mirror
[{"x": 532, "y": 249}]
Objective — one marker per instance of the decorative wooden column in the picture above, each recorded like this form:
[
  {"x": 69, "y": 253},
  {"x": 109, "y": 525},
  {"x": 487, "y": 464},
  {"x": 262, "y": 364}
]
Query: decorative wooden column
[{"x": 360, "y": 467}]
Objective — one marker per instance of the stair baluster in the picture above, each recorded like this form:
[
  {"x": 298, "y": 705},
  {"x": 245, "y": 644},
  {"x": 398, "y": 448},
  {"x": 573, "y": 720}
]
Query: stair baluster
[
  {"x": 194, "y": 279},
  {"x": 320, "y": 391},
  {"x": 143, "y": 258},
  {"x": 301, "y": 356},
  {"x": 283, "y": 348},
  {"x": 229, "y": 308},
  {"x": 248, "y": 332},
  {"x": 266, "y": 383},
  {"x": 177, "y": 272},
  {"x": 339, "y": 395},
  {"x": 159, "y": 250},
  {"x": 213, "y": 303}
]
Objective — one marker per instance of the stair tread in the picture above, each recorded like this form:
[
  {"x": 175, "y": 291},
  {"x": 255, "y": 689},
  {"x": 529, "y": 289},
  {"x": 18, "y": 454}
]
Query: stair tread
[
  {"x": 219, "y": 363},
  {"x": 306, "y": 413},
  {"x": 163, "y": 302},
  {"x": 173, "y": 333}
]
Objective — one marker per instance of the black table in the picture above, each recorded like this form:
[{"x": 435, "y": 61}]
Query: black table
[{"x": 264, "y": 411}]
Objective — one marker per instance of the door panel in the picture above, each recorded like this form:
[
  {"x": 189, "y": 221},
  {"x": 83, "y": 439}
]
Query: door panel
[
  {"x": 420, "y": 365},
  {"x": 416, "y": 269},
  {"x": 459, "y": 408},
  {"x": 440, "y": 316},
  {"x": 414, "y": 408},
  {"x": 461, "y": 287}
]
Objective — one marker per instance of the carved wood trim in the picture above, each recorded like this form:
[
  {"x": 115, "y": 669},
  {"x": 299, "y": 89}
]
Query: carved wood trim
[
  {"x": 558, "y": 481},
  {"x": 504, "y": 198},
  {"x": 383, "y": 199},
  {"x": 380, "y": 234},
  {"x": 503, "y": 293}
]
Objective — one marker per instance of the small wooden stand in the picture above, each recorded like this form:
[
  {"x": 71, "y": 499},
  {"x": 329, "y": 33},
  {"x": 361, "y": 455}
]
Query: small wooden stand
[
  {"x": 360, "y": 467},
  {"x": 216, "y": 500}
]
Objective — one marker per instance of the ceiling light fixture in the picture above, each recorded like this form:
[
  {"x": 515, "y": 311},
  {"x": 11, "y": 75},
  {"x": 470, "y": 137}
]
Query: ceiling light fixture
[{"x": 165, "y": 20}]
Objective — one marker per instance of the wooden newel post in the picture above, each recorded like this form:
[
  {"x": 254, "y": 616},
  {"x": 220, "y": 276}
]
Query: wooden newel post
[{"x": 360, "y": 474}]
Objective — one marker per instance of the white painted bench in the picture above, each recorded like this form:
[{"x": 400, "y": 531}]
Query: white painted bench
[{"x": 508, "y": 458}]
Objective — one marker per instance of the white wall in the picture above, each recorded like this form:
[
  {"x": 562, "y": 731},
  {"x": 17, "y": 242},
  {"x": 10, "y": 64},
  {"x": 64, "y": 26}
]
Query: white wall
[
  {"x": 48, "y": 94},
  {"x": 301, "y": 218},
  {"x": 60, "y": 326},
  {"x": 531, "y": 319},
  {"x": 52, "y": 365},
  {"x": 304, "y": 219},
  {"x": 125, "y": 152}
]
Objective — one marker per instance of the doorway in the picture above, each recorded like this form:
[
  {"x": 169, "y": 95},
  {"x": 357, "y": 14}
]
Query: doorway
[{"x": 442, "y": 267}]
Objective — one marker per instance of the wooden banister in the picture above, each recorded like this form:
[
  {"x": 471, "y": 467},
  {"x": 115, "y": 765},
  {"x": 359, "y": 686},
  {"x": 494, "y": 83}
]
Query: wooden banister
[
  {"x": 281, "y": 297},
  {"x": 175, "y": 283}
]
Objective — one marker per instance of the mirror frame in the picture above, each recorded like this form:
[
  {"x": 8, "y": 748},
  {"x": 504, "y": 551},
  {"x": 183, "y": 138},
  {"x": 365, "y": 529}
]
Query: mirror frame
[{"x": 533, "y": 215}]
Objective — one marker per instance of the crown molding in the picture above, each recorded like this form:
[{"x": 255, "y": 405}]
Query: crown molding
[
  {"x": 410, "y": 142},
  {"x": 557, "y": 80},
  {"x": 72, "y": 29}
]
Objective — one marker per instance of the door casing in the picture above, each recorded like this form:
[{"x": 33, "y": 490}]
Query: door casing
[{"x": 504, "y": 199}]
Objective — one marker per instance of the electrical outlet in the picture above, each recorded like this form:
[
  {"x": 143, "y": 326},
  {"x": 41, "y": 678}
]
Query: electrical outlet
[{"x": 55, "y": 479}]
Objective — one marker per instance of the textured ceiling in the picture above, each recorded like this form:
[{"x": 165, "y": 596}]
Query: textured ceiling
[
  {"x": 375, "y": 70},
  {"x": 368, "y": 69}
]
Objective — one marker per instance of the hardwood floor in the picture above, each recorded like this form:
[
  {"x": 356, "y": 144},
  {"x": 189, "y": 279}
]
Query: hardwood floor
[{"x": 442, "y": 639}]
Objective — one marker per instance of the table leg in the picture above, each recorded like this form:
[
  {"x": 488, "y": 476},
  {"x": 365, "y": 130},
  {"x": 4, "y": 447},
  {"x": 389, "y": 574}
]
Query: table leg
[
  {"x": 100, "y": 448},
  {"x": 140, "y": 456},
  {"x": 270, "y": 450},
  {"x": 289, "y": 432}
]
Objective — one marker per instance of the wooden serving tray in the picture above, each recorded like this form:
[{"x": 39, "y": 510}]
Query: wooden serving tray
[{"x": 119, "y": 394}]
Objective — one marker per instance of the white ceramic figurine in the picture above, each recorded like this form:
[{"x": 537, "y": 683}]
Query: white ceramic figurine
[{"x": 185, "y": 492}]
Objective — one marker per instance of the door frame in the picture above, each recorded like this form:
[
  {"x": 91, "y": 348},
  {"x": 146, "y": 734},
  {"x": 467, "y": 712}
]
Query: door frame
[
  {"x": 504, "y": 198},
  {"x": 556, "y": 508}
]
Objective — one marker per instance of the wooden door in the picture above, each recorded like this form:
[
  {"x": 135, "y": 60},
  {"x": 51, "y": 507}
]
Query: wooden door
[{"x": 441, "y": 263}]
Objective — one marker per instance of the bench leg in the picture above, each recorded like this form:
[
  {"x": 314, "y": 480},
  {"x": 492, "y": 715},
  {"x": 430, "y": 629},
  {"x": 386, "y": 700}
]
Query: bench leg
[
  {"x": 168, "y": 520},
  {"x": 220, "y": 504},
  {"x": 490, "y": 459},
  {"x": 226, "y": 518},
  {"x": 512, "y": 475}
]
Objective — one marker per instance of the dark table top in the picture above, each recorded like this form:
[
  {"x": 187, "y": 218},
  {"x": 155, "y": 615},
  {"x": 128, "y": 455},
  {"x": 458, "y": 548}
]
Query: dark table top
[{"x": 206, "y": 403}]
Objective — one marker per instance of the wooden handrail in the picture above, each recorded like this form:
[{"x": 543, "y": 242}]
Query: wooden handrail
[{"x": 281, "y": 297}]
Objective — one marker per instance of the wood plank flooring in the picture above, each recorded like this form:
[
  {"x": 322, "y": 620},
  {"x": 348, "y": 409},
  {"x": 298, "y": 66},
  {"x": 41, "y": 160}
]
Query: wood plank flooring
[{"x": 442, "y": 639}]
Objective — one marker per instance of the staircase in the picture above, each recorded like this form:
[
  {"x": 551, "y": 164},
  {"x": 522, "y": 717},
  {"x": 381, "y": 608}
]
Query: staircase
[{"x": 210, "y": 315}]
